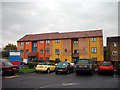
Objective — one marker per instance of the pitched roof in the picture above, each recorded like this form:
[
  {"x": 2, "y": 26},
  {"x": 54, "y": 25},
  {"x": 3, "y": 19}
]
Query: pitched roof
[{"x": 57, "y": 35}]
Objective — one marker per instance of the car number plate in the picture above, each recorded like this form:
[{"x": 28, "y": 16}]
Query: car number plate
[
  {"x": 14, "y": 68},
  {"x": 105, "y": 67},
  {"x": 82, "y": 66},
  {"x": 60, "y": 70},
  {"x": 40, "y": 66}
]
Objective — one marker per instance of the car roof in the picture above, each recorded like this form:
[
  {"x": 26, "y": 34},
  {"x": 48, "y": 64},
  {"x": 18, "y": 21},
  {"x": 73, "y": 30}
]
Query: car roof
[{"x": 105, "y": 62}]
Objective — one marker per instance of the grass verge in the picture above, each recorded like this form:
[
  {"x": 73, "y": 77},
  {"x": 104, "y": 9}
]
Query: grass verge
[{"x": 24, "y": 70}]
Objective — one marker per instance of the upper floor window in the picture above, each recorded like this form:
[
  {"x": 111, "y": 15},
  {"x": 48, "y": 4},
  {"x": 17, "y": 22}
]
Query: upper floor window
[
  {"x": 35, "y": 45},
  {"x": 56, "y": 41},
  {"x": 114, "y": 53},
  {"x": 22, "y": 43},
  {"x": 22, "y": 52},
  {"x": 93, "y": 39},
  {"x": 47, "y": 41},
  {"x": 27, "y": 43},
  {"x": 94, "y": 50},
  {"x": 41, "y": 58},
  {"x": 41, "y": 51},
  {"x": 41, "y": 42},
  {"x": 84, "y": 39},
  {"x": 57, "y": 51},
  {"x": 47, "y": 58},
  {"x": 75, "y": 41},
  {"x": 114, "y": 44},
  {"x": 27, "y": 51},
  {"x": 47, "y": 51},
  {"x": 65, "y": 41}
]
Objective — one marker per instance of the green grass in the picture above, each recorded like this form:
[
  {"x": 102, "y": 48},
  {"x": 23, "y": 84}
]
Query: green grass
[{"x": 26, "y": 70}]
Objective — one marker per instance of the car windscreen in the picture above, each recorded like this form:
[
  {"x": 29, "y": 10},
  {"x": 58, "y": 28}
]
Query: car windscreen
[
  {"x": 105, "y": 64},
  {"x": 62, "y": 63},
  {"x": 8, "y": 64},
  {"x": 44, "y": 63},
  {"x": 83, "y": 62}
]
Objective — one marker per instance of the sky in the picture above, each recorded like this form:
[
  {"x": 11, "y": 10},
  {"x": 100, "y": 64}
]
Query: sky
[{"x": 22, "y": 18}]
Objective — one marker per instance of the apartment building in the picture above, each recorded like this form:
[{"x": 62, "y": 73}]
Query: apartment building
[
  {"x": 69, "y": 46},
  {"x": 113, "y": 44}
]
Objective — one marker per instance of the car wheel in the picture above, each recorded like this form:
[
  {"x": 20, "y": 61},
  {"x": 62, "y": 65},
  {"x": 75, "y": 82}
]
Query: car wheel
[
  {"x": 37, "y": 71},
  {"x": 48, "y": 70},
  {"x": 12, "y": 73},
  {"x": 68, "y": 71},
  {"x": 56, "y": 72},
  {"x": 77, "y": 73}
]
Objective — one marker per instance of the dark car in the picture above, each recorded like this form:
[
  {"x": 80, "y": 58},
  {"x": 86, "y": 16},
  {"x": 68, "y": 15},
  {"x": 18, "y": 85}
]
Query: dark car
[
  {"x": 84, "y": 65},
  {"x": 105, "y": 67},
  {"x": 64, "y": 67},
  {"x": 118, "y": 68},
  {"x": 9, "y": 68}
]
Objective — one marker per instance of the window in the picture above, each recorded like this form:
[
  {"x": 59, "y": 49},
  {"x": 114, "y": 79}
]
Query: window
[
  {"x": 22, "y": 52},
  {"x": 76, "y": 51},
  {"x": 27, "y": 51},
  {"x": 41, "y": 51},
  {"x": 65, "y": 50},
  {"x": 22, "y": 43},
  {"x": 75, "y": 41},
  {"x": 47, "y": 58},
  {"x": 94, "y": 59},
  {"x": 84, "y": 49},
  {"x": 65, "y": 59},
  {"x": 47, "y": 41},
  {"x": 56, "y": 41},
  {"x": 47, "y": 51},
  {"x": 27, "y": 43},
  {"x": 35, "y": 45},
  {"x": 41, "y": 58},
  {"x": 41, "y": 42},
  {"x": 93, "y": 39},
  {"x": 114, "y": 44},
  {"x": 94, "y": 50},
  {"x": 56, "y": 51},
  {"x": 114, "y": 53}
]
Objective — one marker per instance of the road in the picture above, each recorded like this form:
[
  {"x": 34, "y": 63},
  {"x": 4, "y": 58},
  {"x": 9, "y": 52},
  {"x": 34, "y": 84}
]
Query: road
[{"x": 44, "y": 80}]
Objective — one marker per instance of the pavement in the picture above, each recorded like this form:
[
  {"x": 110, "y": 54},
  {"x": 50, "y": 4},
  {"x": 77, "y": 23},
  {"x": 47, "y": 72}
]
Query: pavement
[{"x": 44, "y": 80}]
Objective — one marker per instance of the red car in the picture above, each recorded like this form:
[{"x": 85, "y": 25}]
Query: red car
[
  {"x": 105, "y": 67},
  {"x": 9, "y": 68}
]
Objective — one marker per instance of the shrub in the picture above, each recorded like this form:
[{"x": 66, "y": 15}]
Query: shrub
[{"x": 32, "y": 64}]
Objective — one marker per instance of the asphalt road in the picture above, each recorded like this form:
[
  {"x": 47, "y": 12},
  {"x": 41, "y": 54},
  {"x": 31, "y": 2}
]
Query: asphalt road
[{"x": 44, "y": 80}]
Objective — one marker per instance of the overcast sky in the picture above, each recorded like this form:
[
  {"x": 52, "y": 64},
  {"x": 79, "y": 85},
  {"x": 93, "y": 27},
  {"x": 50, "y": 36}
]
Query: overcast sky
[{"x": 21, "y": 18}]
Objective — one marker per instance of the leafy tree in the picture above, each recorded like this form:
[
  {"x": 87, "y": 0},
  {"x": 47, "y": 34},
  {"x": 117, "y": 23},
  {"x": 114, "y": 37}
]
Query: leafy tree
[
  {"x": 7, "y": 48},
  {"x": 105, "y": 53}
]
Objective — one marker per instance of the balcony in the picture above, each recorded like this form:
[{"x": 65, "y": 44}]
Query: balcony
[{"x": 75, "y": 55}]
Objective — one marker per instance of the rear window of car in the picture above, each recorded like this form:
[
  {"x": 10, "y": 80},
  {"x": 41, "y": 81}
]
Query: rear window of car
[
  {"x": 44, "y": 63},
  {"x": 8, "y": 64},
  {"x": 83, "y": 62},
  {"x": 105, "y": 64},
  {"x": 62, "y": 63}
]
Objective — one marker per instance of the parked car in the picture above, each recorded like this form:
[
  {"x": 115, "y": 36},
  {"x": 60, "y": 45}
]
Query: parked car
[
  {"x": 105, "y": 67},
  {"x": 9, "y": 68},
  {"x": 84, "y": 65},
  {"x": 64, "y": 67},
  {"x": 45, "y": 67},
  {"x": 118, "y": 68},
  {"x": 73, "y": 64}
]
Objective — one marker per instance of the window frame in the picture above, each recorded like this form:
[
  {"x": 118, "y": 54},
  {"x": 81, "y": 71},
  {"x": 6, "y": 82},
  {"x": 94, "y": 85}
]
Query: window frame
[
  {"x": 21, "y": 43},
  {"x": 47, "y": 41},
  {"x": 22, "y": 53},
  {"x": 114, "y": 53},
  {"x": 75, "y": 41},
  {"x": 27, "y": 43},
  {"x": 41, "y": 42},
  {"x": 26, "y": 51},
  {"x": 57, "y": 41},
  {"x": 47, "y": 50},
  {"x": 41, "y": 52},
  {"x": 114, "y": 44},
  {"x": 57, "y": 52},
  {"x": 93, "y": 39},
  {"x": 94, "y": 50}
]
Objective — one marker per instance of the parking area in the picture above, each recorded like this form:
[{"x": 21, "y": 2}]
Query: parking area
[{"x": 44, "y": 80}]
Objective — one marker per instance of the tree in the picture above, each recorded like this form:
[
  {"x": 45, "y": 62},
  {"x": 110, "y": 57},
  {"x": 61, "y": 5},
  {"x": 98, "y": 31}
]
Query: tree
[
  {"x": 7, "y": 48},
  {"x": 105, "y": 53}
]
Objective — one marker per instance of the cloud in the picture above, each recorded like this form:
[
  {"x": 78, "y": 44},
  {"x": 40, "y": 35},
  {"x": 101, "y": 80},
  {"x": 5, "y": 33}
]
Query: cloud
[{"x": 21, "y": 18}]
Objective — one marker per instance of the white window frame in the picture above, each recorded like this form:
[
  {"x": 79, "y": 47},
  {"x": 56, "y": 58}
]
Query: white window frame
[
  {"x": 93, "y": 39},
  {"x": 22, "y": 43},
  {"x": 27, "y": 43},
  {"x": 114, "y": 44},
  {"x": 94, "y": 50},
  {"x": 57, "y": 41},
  {"x": 47, "y": 41}
]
